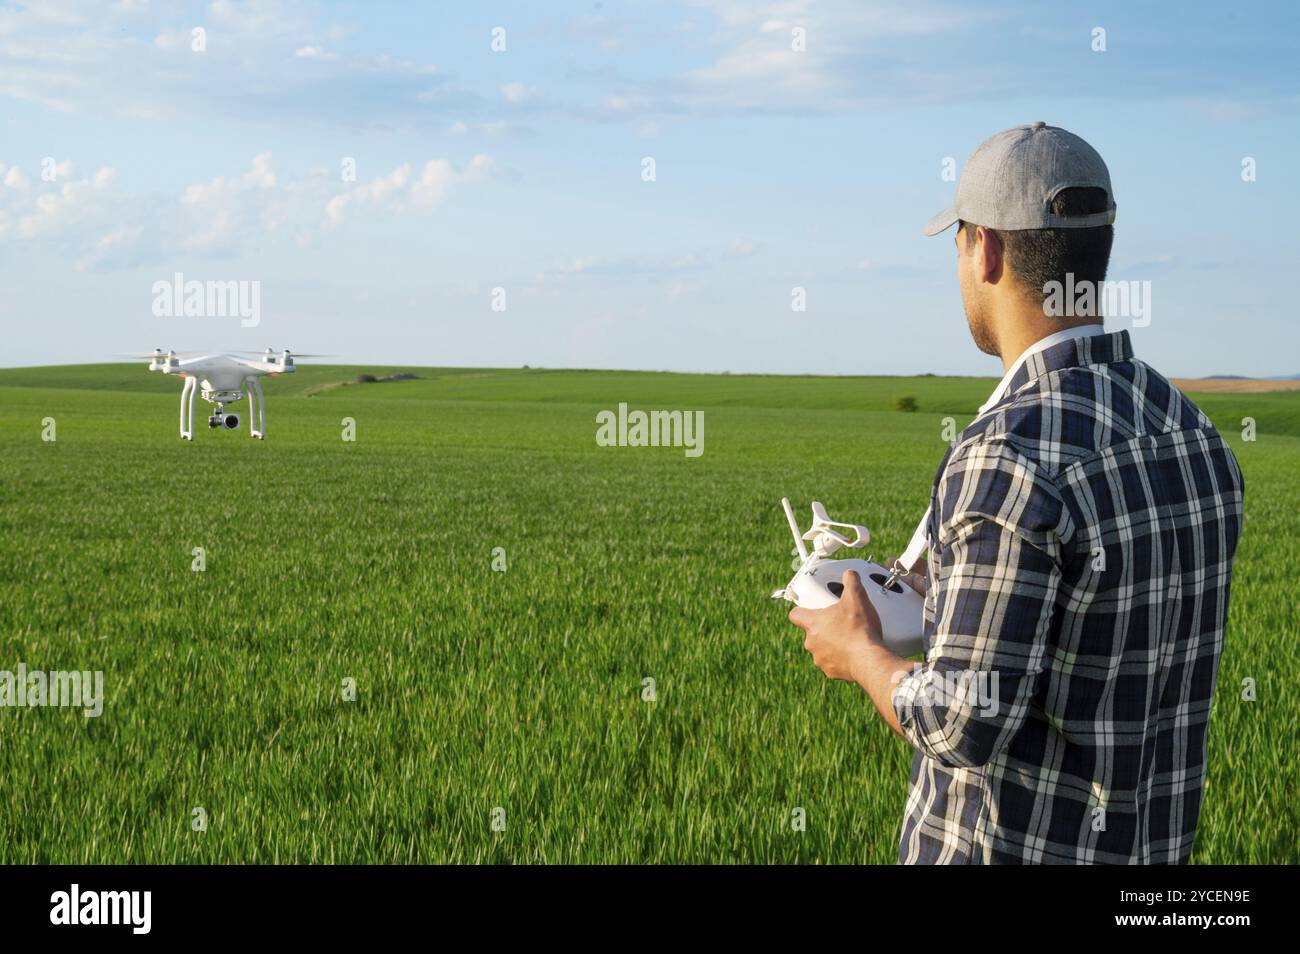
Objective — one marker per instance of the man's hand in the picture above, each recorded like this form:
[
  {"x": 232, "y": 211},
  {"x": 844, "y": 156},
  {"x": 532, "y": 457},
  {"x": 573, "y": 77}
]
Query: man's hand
[
  {"x": 839, "y": 635},
  {"x": 846, "y": 643}
]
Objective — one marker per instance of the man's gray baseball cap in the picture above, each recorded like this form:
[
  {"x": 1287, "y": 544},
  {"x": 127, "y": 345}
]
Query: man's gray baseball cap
[{"x": 1010, "y": 181}]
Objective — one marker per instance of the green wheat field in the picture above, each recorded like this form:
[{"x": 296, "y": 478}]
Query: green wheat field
[{"x": 512, "y": 696}]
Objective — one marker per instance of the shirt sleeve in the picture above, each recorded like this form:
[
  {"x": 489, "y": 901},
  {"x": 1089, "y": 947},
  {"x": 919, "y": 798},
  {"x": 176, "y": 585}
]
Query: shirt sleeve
[{"x": 996, "y": 570}]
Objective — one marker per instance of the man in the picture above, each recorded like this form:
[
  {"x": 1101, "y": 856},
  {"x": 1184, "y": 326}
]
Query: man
[{"x": 1081, "y": 534}]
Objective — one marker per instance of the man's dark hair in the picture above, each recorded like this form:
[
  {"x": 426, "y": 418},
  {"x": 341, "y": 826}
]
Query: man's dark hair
[{"x": 1039, "y": 256}]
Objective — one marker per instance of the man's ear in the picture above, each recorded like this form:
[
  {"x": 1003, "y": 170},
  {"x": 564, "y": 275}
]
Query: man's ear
[{"x": 989, "y": 254}]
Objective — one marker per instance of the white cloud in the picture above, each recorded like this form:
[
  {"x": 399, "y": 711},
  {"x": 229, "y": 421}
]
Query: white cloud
[
  {"x": 401, "y": 190},
  {"x": 220, "y": 211},
  {"x": 759, "y": 69},
  {"x": 169, "y": 40},
  {"x": 519, "y": 93},
  {"x": 376, "y": 194},
  {"x": 35, "y": 209},
  {"x": 98, "y": 226},
  {"x": 742, "y": 248},
  {"x": 138, "y": 61},
  {"x": 15, "y": 179},
  {"x": 490, "y": 130},
  {"x": 113, "y": 247},
  {"x": 655, "y": 269},
  {"x": 439, "y": 175}
]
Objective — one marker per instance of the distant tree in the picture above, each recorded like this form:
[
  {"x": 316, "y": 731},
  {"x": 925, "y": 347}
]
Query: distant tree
[
  {"x": 906, "y": 403},
  {"x": 366, "y": 379}
]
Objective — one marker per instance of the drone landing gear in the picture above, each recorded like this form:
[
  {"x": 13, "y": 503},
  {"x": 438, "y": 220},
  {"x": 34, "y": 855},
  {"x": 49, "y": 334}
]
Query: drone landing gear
[
  {"x": 187, "y": 408},
  {"x": 256, "y": 418}
]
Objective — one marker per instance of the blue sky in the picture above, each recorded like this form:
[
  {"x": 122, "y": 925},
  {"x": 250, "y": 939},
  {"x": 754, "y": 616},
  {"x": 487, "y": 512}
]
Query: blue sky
[{"x": 522, "y": 170}]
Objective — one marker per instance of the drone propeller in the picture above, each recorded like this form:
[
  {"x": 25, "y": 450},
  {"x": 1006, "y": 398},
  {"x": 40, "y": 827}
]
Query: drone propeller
[
  {"x": 161, "y": 354},
  {"x": 292, "y": 354}
]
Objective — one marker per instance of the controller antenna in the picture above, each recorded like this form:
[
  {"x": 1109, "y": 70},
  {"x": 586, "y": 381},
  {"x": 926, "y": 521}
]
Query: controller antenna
[{"x": 794, "y": 530}]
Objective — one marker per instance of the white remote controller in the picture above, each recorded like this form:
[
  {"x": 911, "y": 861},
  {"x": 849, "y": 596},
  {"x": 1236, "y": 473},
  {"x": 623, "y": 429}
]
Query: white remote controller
[{"x": 818, "y": 582}]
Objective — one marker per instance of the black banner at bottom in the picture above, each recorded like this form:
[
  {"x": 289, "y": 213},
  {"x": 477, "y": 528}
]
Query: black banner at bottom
[{"x": 139, "y": 904}]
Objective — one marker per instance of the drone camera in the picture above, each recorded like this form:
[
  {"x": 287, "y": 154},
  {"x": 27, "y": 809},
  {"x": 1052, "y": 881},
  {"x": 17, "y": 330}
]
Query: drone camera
[{"x": 228, "y": 421}]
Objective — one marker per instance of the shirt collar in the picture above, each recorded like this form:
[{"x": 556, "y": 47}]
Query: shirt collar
[{"x": 1080, "y": 345}]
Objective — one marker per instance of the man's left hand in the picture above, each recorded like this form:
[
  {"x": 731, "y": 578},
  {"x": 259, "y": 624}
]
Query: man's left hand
[{"x": 838, "y": 635}]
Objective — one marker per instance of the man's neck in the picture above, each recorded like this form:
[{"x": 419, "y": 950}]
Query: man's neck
[{"x": 1020, "y": 334}]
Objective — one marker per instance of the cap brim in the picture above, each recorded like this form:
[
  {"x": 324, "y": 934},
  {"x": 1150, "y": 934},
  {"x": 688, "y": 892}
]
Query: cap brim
[{"x": 944, "y": 220}]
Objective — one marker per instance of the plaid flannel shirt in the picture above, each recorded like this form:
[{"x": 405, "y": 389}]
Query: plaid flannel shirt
[{"x": 1081, "y": 539}]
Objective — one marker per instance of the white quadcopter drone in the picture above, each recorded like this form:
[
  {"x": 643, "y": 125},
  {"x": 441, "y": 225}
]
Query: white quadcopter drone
[
  {"x": 817, "y": 583},
  {"x": 221, "y": 379}
]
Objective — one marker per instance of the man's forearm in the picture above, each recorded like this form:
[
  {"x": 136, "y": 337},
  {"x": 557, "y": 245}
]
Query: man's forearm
[{"x": 875, "y": 669}]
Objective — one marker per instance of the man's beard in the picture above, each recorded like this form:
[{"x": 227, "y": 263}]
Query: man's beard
[{"x": 983, "y": 335}]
